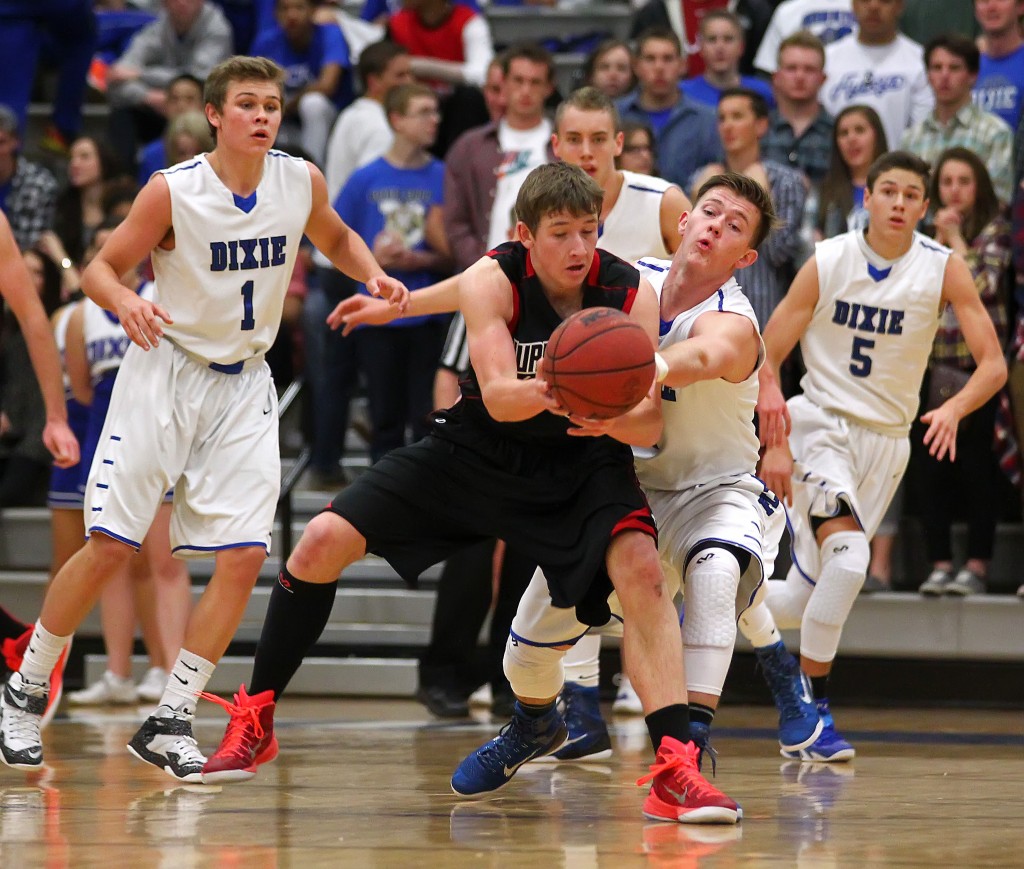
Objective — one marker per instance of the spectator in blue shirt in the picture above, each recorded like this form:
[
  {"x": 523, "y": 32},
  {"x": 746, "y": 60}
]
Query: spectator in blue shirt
[
  {"x": 721, "y": 47},
  {"x": 686, "y": 131},
  {"x": 318, "y": 81},
  {"x": 394, "y": 203},
  {"x": 1000, "y": 85}
]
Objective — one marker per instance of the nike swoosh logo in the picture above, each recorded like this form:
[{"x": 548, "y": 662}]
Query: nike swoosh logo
[
  {"x": 805, "y": 692},
  {"x": 187, "y": 667},
  {"x": 511, "y": 770},
  {"x": 19, "y": 701},
  {"x": 572, "y": 741},
  {"x": 34, "y": 752},
  {"x": 183, "y": 681},
  {"x": 266, "y": 411},
  {"x": 679, "y": 796}
]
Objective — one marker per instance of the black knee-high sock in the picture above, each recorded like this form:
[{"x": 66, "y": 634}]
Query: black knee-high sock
[{"x": 296, "y": 617}]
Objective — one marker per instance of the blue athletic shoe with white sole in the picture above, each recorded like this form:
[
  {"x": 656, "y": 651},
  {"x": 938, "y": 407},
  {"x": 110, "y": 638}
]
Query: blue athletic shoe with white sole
[
  {"x": 829, "y": 747},
  {"x": 588, "y": 738},
  {"x": 521, "y": 740},
  {"x": 799, "y": 722}
]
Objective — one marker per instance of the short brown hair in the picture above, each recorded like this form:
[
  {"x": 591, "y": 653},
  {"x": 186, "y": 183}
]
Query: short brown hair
[
  {"x": 531, "y": 52},
  {"x": 396, "y": 101},
  {"x": 899, "y": 160},
  {"x": 746, "y": 188},
  {"x": 555, "y": 188},
  {"x": 588, "y": 99},
  {"x": 240, "y": 68},
  {"x": 666, "y": 34},
  {"x": 802, "y": 39}
]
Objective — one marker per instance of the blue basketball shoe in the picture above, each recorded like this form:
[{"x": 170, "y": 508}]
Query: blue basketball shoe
[
  {"x": 829, "y": 747},
  {"x": 799, "y": 722},
  {"x": 588, "y": 734},
  {"x": 521, "y": 740}
]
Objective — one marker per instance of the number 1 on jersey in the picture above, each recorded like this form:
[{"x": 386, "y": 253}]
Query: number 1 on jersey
[{"x": 248, "y": 321}]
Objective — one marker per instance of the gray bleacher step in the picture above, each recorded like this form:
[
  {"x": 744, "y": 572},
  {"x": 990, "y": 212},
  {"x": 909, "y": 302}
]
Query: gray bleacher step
[{"x": 323, "y": 677}]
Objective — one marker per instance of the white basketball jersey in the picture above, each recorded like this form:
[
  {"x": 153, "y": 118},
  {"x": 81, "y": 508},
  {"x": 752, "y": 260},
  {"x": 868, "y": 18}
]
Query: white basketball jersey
[
  {"x": 105, "y": 340},
  {"x": 871, "y": 333},
  {"x": 632, "y": 228},
  {"x": 225, "y": 281},
  {"x": 709, "y": 425}
]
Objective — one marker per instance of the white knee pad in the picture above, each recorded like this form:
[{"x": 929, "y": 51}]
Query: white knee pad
[
  {"x": 709, "y": 623},
  {"x": 758, "y": 626},
  {"x": 582, "y": 661},
  {"x": 787, "y": 599},
  {"x": 844, "y": 564},
  {"x": 533, "y": 671}
]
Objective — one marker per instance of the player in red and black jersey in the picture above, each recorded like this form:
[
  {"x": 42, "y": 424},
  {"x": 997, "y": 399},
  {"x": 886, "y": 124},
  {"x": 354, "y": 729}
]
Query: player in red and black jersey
[{"x": 508, "y": 462}]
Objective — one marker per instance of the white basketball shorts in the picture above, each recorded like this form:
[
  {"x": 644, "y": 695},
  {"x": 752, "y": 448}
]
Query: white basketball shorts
[
  {"x": 212, "y": 437},
  {"x": 836, "y": 460}
]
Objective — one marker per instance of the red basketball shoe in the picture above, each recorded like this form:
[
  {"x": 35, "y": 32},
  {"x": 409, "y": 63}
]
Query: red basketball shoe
[
  {"x": 13, "y": 651},
  {"x": 680, "y": 793},
  {"x": 248, "y": 741}
]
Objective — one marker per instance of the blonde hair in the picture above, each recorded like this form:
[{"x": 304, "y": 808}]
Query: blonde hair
[{"x": 193, "y": 124}]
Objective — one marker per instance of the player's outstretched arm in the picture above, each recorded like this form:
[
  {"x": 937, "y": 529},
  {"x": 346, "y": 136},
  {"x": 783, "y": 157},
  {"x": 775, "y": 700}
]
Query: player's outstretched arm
[
  {"x": 958, "y": 290},
  {"x": 147, "y": 225},
  {"x": 785, "y": 327},
  {"x": 360, "y": 310},
  {"x": 16, "y": 288},
  {"x": 721, "y": 345},
  {"x": 485, "y": 299},
  {"x": 343, "y": 247}
]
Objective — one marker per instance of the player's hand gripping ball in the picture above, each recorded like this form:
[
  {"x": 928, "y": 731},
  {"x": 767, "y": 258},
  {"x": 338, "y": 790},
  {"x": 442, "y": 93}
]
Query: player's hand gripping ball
[{"x": 599, "y": 363}]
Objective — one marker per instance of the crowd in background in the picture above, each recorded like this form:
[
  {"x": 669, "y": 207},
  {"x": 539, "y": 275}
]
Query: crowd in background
[{"x": 424, "y": 130}]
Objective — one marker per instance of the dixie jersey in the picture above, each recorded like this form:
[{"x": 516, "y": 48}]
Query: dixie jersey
[
  {"x": 224, "y": 282},
  {"x": 105, "y": 341},
  {"x": 709, "y": 425},
  {"x": 869, "y": 339},
  {"x": 611, "y": 282}
]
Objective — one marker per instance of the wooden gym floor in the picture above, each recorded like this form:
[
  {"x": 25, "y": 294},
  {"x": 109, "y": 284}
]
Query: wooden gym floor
[{"x": 365, "y": 784}]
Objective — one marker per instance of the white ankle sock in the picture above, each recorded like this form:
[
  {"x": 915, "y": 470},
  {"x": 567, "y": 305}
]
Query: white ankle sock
[
  {"x": 186, "y": 682},
  {"x": 41, "y": 655}
]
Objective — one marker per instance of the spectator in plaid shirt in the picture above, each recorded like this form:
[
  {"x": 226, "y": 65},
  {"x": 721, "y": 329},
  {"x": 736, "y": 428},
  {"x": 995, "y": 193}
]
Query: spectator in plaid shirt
[
  {"x": 972, "y": 222},
  {"x": 952, "y": 63},
  {"x": 28, "y": 192},
  {"x": 799, "y": 129}
]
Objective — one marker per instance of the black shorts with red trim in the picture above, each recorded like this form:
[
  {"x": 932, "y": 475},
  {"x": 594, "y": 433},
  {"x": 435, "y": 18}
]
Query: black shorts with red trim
[{"x": 560, "y": 506}]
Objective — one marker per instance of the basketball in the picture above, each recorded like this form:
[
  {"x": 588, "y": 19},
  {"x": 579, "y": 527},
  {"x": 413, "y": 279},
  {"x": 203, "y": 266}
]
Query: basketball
[{"x": 599, "y": 363}]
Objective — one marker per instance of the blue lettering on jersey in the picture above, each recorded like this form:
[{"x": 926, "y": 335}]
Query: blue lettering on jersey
[
  {"x": 528, "y": 355},
  {"x": 867, "y": 318},
  {"x": 107, "y": 348},
  {"x": 248, "y": 253},
  {"x": 854, "y": 85}
]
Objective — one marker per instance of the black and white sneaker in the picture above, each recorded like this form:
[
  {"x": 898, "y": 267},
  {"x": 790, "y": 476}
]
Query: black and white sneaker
[
  {"x": 166, "y": 741},
  {"x": 21, "y": 715}
]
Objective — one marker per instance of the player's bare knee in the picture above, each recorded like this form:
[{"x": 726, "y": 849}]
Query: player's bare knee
[
  {"x": 107, "y": 553},
  {"x": 633, "y": 566},
  {"x": 533, "y": 671},
  {"x": 327, "y": 546},
  {"x": 243, "y": 563}
]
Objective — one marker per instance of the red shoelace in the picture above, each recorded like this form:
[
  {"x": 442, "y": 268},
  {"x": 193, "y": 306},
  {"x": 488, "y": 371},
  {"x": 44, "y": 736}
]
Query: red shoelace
[{"x": 237, "y": 739}]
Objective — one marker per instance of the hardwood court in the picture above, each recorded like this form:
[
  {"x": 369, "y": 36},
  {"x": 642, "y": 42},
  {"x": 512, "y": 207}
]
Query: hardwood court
[{"x": 365, "y": 783}]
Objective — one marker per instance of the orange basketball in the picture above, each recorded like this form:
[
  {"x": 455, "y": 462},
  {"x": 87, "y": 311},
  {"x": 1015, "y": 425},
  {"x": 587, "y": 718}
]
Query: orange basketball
[{"x": 599, "y": 362}]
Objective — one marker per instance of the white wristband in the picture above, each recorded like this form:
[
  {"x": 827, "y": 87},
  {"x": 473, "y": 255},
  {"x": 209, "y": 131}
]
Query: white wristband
[{"x": 661, "y": 368}]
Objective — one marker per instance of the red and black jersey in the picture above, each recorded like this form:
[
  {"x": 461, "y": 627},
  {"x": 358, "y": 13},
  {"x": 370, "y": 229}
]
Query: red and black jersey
[{"x": 611, "y": 283}]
